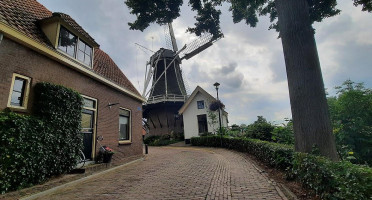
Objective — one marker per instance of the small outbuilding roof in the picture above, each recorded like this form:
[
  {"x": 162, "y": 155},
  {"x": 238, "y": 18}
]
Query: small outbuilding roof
[{"x": 197, "y": 90}]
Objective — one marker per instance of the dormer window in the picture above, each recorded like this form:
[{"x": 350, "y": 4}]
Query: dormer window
[
  {"x": 73, "y": 46},
  {"x": 84, "y": 53}
]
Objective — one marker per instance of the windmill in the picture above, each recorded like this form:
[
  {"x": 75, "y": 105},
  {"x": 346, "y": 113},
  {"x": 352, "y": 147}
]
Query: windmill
[{"x": 168, "y": 93}]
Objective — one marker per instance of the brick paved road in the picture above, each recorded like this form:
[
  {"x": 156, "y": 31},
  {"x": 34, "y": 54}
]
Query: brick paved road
[{"x": 176, "y": 173}]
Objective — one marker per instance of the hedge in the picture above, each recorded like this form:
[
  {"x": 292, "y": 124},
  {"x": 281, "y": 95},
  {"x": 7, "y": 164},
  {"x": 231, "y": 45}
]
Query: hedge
[
  {"x": 34, "y": 148},
  {"x": 330, "y": 180}
]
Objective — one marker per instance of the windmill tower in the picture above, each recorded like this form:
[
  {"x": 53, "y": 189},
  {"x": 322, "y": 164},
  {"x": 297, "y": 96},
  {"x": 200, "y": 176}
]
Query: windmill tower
[{"x": 167, "y": 93}]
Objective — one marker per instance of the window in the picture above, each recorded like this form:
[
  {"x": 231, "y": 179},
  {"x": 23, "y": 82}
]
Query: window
[
  {"x": 73, "y": 46},
  {"x": 19, "y": 91},
  {"x": 84, "y": 53},
  {"x": 124, "y": 126},
  {"x": 67, "y": 41},
  {"x": 200, "y": 104}
]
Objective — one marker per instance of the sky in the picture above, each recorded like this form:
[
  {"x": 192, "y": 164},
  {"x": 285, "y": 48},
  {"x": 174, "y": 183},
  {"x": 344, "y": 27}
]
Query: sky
[{"x": 247, "y": 62}]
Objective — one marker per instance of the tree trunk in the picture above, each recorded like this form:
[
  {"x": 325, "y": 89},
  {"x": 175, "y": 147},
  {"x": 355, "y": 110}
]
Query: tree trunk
[{"x": 311, "y": 121}]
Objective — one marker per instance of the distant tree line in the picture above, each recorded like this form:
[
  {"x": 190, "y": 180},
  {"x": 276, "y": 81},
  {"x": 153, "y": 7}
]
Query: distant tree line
[{"x": 351, "y": 115}]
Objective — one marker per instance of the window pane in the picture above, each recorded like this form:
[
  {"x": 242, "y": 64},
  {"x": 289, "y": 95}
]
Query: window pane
[
  {"x": 89, "y": 103},
  {"x": 16, "y": 99},
  {"x": 18, "y": 84},
  {"x": 81, "y": 46},
  {"x": 88, "y": 50},
  {"x": 86, "y": 121},
  {"x": 85, "y": 54},
  {"x": 200, "y": 104},
  {"x": 18, "y": 92},
  {"x": 123, "y": 128},
  {"x": 124, "y": 112},
  {"x": 67, "y": 41},
  {"x": 87, "y": 60},
  {"x": 80, "y": 55}
]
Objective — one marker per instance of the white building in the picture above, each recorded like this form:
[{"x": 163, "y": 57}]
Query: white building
[{"x": 197, "y": 117}]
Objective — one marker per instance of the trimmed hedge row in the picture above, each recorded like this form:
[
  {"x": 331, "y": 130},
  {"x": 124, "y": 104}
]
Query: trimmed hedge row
[
  {"x": 330, "y": 180},
  {"x": 34, "y": 148}
]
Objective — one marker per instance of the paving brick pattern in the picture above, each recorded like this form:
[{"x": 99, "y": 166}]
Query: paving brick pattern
[{"x": 177, "y": 173}]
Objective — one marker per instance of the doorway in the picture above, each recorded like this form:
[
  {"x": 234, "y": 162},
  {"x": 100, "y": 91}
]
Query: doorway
[
  {"x": 87, "y": 127},
  {"x": 202, "y": 123}
]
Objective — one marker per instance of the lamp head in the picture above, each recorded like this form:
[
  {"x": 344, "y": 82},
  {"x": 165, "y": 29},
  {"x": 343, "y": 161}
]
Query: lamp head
[{"x": 216, "y": 85}]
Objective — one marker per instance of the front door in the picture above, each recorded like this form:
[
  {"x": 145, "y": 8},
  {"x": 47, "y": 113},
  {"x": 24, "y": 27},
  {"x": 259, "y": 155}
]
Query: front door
[
  {"x": 202, "y": 123},
  {"x": 87, "y": 127}
]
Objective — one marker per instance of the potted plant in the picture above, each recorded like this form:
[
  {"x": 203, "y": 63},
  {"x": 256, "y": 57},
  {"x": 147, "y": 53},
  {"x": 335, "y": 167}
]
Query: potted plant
[{"x": 107, "y": 153}]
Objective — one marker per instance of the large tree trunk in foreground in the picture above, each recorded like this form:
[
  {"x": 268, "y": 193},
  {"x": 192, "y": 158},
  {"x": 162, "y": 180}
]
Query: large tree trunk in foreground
[{"x": 311, "y": 121}]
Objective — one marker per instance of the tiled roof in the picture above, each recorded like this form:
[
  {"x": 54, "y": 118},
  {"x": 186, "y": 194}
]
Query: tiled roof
[
  {"x": 24, "y": 15},
  {"x": 107, "y": 68},
  {"x": 66, "y": 18}
]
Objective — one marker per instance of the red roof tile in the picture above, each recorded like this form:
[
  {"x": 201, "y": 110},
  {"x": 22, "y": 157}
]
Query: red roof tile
[
  {"x": 106, "y": 67},
  {"x": 24, "y": 15},
  {"x": 66, "y": 18}
]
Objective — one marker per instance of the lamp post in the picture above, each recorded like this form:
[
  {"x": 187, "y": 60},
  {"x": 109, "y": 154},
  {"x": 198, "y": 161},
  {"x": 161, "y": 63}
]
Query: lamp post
[{"x": 219, "y": 111}]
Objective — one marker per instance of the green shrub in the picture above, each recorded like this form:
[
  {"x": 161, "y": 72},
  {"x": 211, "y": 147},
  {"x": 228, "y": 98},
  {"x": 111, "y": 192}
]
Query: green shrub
[
  {"x": 23, "y": 153},
  {"x": 283, "y": 134},
  {"x": 273, "y": 154},
  {"x": 61, "y": 107},
  {"x": 151, "y": 139},
  {"x": 333, "y": 180},
  {"x": 260, "y": 129},
  {"x": 34, "y": 148},
  {"x": 157, "y": 140},
  {"x": 330, "y": 180}
]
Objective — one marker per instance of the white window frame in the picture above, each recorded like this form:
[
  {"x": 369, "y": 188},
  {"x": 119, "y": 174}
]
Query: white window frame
[
  {"x": 76, "y": 47},
  {"x": 25, "y": 92},
  {"x": 129, "y": 141}
]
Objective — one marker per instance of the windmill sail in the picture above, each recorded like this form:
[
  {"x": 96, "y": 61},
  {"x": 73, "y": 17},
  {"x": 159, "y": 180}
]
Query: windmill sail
[{"x": 167, "y": 93}]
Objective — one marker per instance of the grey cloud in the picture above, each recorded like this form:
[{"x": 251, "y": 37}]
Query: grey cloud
[
  {"x": 277, "y": 66},
  {"x": 355, "y": 63}
]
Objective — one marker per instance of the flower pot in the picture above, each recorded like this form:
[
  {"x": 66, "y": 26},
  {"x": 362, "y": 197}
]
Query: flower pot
[{"x": 107, "y": 158}]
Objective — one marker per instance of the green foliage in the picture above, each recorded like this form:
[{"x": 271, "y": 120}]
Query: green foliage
[
  {"x": 23, "y": 153},
  {"x": 208, "y": 14},
  {"x": 367, "y": 4},
  {"x": 147, "y": 12},
  {"x": 36, "y": 148},
  {"x": 212, "y": 120},
  {"x": 330, "y": 180},
  {"x": 283, "y": 134},
  {"x": 260, "y": 129},
  {"x": 157, "y": 140},
  {"x": 333, "y": 180},
  {"x": 273, "y": 154},
  {"x": 351, "y": 114}
]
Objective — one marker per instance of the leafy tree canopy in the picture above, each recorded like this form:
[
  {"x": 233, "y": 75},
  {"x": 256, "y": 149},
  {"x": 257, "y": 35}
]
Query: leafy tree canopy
[
  {"x": 208, "y": 13},
  {"x": 351, "y": 114}
]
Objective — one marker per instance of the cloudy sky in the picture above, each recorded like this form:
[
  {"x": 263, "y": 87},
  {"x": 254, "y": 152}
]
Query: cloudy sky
[{"x": 247, "y": 62}]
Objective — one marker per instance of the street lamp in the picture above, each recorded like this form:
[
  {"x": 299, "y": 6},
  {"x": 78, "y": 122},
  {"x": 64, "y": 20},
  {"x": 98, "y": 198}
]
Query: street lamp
[{"x": 219, "y": 111}]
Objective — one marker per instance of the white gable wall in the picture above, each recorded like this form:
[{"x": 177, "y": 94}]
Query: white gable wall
[{"x": 190, "y": 119}]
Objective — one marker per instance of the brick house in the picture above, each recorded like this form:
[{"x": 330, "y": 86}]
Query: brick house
[{"x": 37, "y": 45}]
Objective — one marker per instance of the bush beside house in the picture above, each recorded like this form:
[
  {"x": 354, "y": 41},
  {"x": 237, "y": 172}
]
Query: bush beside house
[
  {"x": 34, "y": 148},
  {"x": 330, "y": 180}
]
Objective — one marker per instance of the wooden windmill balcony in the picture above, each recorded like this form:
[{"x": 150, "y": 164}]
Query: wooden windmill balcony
[{"x": 166, "y": 98}]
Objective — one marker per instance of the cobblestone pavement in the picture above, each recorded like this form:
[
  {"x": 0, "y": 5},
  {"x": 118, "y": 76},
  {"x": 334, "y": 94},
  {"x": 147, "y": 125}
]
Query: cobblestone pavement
[{"x": 176, "y": 173}]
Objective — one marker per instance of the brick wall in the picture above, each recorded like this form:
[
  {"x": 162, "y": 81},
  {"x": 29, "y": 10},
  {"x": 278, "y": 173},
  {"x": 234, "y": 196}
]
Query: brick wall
[{"x": 15, "y": 58}]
